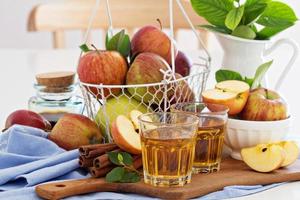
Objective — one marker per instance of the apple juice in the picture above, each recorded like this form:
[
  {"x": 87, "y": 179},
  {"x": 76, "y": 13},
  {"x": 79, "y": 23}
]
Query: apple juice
[
  {"x": 209, "y": 145},
  {"x": 167, "y": 161}
]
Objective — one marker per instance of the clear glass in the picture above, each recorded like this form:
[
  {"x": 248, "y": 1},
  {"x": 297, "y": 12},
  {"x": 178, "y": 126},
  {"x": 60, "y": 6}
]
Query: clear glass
[
  {"x": 210, "y": 135},
  {"x": 52, "y": 103},
  {"x": 168, "y": 145}
]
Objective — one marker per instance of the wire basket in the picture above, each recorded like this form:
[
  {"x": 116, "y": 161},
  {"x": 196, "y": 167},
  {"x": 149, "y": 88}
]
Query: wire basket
[{"x": 105, "y": 102}]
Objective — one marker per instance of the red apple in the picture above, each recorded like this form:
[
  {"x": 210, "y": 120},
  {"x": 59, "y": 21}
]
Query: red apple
[
  {"x": 183, "y": 92},
  {"x": 152, "y": 39},
  {"x": 146, "y": 69},
  {"x": 27, "y": 118},
  {"x": 264, "y": 105},
  {"x": 183, "y": 64},
  {"x": 74, "y": 130},
  {"x": 106, "y": 67}
]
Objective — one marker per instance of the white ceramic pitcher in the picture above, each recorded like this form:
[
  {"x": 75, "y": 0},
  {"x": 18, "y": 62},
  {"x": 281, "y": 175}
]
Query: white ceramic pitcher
[{"x": 244, "y": 56}]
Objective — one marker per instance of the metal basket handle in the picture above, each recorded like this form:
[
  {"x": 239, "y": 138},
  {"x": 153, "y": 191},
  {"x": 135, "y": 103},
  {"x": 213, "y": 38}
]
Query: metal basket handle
[{"x": 171, "y": 15}]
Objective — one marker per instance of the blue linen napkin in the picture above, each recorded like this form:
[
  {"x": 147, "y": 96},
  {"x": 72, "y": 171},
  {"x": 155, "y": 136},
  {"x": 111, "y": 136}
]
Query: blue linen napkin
[{"x": 27, "y": 158}]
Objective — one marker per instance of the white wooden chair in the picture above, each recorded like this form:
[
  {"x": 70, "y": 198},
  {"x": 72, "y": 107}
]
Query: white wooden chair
[{"x": 59, "y": 16}]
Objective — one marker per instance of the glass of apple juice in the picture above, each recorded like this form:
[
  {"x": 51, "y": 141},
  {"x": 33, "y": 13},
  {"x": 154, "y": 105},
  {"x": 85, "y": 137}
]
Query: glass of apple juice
[
  {"x": 168, "y": 145},
  {"x": 210, "y": 135}
]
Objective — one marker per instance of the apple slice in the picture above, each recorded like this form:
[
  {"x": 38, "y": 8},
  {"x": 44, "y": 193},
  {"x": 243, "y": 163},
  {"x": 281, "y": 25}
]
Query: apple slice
[
  {"x": 233, "y": 86},
  {"x": 264, "y": 157},
  {"x": 291, "y": 150},
  {"x": 125, "y": 136},
  {"x": 232, "y": 93},
  {"x": 133, "y": 115}
]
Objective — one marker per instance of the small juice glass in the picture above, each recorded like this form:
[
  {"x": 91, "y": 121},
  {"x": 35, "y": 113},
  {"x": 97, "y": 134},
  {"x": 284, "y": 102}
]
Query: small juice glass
[
  {"x": 168, "y": 145},
  {"x": 210, "y": 135}
]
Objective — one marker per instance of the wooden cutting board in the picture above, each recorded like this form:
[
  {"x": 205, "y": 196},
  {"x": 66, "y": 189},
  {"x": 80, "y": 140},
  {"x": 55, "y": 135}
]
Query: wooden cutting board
[{"x": 233, "y": 172}]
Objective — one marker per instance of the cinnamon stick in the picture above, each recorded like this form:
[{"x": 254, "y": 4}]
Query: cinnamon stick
[
  {"x": 85, "y": 162},
  {"x": 137, "y": 162},
  {"x": 85, "y": 150},
  {"x": 100, "y": 151},
  {"x": 100, "y": 172},
  {"x": 103, "y": 160}
]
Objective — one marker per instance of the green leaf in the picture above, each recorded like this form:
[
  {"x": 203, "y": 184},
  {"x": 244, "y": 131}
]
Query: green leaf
[
  {"x": 130, "y": 177},
  {"x": 277, "y": 14},
  {"x": 120, "y": 158},
  {"x": 107, "y": 39},
  {"x": 244, "y": 31},
  {"x": 214, "y": 11},
  {"x": 119, "y": 42},
  {"x": 268, "y": 32},
  {"x": 253, "y": 27},
  {"x": 216, "y": 28},
  {"x": 260, "y": 73},
  {"x": 115, "y": 157},
  {"x": 253, "y": 9},
  {"x": 234, "y": 17},
  {"x": 115, "y": 175},
  {"x": 249, "y": 81},
  {"x": 84, "y": 48},
  {"x": 127, "y": 158},
  {"x": 223, "y": 75}
]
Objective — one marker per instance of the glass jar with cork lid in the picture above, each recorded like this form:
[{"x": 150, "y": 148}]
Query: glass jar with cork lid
[{"x": 56, "y": 95}]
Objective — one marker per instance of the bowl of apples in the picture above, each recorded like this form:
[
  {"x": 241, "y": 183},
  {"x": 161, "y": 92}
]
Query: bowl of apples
[{"x": 256, "y": 115}]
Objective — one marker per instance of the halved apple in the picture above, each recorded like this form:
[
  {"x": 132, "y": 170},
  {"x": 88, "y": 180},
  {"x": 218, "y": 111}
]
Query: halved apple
[
  {"x": 264, "y": 157},
  {"x": 232, "y": 93},
  {"x": 291, "y": 150},
  {"x": 133, "y": 115},
  {"x": 125, "y": 135}
]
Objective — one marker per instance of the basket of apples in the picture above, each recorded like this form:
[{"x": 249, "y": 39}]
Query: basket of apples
[
  {"x": 258, "y": 117},
  {"x": 136, "y": 74}
]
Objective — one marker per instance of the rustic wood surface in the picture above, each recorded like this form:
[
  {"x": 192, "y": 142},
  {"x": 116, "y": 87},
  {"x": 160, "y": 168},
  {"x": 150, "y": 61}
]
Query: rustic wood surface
[{"x": 232, "y": 172}]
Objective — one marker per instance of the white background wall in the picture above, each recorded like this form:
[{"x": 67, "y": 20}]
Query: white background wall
[{"x": 13, "y": 23}]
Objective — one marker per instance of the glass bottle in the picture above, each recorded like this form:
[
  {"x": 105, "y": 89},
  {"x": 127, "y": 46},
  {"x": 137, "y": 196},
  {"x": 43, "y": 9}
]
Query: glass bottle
[{"x": 56, "y": 94}]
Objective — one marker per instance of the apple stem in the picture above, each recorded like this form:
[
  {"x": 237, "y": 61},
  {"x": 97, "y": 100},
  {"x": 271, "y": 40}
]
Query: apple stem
[
  {"x": 95, "y": 48},
  {"x": 160, "y": 24},
  {"x": 267, "y": 93}
]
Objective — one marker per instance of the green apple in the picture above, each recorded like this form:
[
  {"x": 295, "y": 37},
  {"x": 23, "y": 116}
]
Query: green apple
[
  {"x": 121, "y": 105},
  {"x": 264, "y": 105}
]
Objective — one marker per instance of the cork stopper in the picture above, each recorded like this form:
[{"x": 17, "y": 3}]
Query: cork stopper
[{"x": 56, "y": 79}]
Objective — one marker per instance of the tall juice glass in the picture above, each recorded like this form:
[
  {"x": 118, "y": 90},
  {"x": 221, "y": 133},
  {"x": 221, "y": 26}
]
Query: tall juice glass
[
  {"x": 168, "y": 145},
  {"x": 210, "y": 135}
]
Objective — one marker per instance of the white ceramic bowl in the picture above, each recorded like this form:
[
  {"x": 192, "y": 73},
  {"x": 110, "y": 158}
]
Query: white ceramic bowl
[{"x": 243, "y": 133}]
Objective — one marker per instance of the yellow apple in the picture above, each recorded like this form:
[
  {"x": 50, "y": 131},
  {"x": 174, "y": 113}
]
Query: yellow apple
[
  {"x": 125, "y": 135},
  {"x": 291, "y": 151},
  {"x": 121, "y": 105},
  {"x": 264, "y": 157},
  {"x": 232, "y": 93}
]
